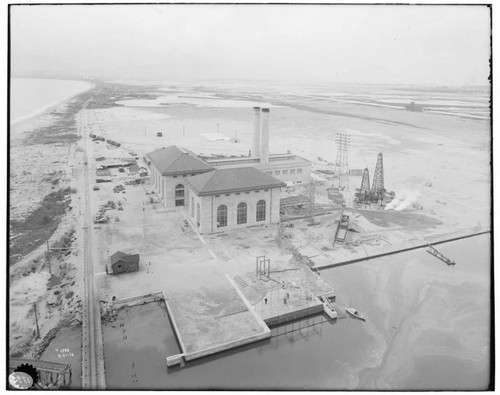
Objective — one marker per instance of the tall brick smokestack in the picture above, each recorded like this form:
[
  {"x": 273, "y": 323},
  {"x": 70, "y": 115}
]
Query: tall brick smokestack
[
  {"x": 264, "y": 137},
  {"x": 256, "y": 132}
]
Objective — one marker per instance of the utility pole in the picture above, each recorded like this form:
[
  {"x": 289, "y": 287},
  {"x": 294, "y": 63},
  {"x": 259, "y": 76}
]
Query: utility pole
[
  {"x": 48, "y": 256},
  {"x": 108, "y": 262},
  {"x": 279, "y": 304},
  {"x": 36, "y": 322}
]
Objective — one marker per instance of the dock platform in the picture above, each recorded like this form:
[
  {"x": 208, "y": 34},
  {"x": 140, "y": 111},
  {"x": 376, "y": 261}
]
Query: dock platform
[
  {"x": 211, "y": 321},
  {"x": 286, "y": 296}
]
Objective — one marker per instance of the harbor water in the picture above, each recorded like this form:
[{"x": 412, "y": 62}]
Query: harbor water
[{"x": 427, "y": 327}]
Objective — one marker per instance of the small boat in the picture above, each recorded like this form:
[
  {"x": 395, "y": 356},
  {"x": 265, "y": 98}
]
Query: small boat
[{"x": 354, "y": 313}]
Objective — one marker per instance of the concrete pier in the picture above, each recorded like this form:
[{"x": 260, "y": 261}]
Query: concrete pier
[
  {"x": 214, "y": 320},
  {"x": 229, "y": 322},
  {"x": 306, "y": 311},
  {"x": 398, "y": 251}
]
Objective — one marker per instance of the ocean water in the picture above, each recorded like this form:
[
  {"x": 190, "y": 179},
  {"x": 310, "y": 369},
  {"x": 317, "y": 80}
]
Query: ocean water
[{"x": 32, "y": 96}]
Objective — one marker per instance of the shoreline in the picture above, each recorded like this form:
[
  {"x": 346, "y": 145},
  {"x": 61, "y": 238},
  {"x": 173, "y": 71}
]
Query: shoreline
[
  {"x": 46, "y": 108},
  {"x": 42, "y": 168}
]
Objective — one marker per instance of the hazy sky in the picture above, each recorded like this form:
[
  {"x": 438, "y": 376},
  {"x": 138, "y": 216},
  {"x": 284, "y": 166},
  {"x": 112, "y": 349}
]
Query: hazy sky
[{"x": 442, "y": 45}]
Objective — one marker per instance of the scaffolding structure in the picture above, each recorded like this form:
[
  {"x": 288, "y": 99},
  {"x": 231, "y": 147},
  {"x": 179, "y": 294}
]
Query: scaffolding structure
[
  {"x": 343, "y": 141},
  {"x": 262, "y": 268}
]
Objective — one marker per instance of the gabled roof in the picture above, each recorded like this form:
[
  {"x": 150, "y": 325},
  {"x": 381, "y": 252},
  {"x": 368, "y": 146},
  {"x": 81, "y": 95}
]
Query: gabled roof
[
  {"x": 174, "y": 160},
  {"x": 121, "y": 256},
  {"x": 232, "y": 180}
]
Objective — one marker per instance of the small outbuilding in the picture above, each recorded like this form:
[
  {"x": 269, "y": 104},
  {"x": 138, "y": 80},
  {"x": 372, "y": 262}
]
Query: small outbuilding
[
  {"x": 103, "y": 173},
  {"x": 124, "y": 263}
]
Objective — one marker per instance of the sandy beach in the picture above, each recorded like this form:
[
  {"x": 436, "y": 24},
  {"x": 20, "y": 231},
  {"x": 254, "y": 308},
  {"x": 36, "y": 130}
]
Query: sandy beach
[{"x": 42, "y": 209}]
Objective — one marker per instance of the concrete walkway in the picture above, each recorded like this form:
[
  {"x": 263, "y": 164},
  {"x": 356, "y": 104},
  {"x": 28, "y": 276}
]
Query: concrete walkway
[{"x": 199, "y": 235}]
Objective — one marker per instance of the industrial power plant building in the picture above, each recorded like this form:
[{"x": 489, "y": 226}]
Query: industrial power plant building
[
  {"x": 233, "y": 198},
  {"x": 223, "y": 194}
]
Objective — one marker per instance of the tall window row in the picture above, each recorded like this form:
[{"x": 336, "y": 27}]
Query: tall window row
[{"x": 241, "y": 213}]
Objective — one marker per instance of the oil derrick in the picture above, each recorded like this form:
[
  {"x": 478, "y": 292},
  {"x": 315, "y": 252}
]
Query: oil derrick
[
  {"x": 343, "y": 140},
  {"x": 363, "y": 196},
  {"x": 378, "y": 190}
]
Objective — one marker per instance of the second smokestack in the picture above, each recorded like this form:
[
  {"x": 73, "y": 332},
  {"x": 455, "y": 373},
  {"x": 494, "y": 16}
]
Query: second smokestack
[
  {"x": 264, "y": 137},
  {"x": 256, "y": 132}
]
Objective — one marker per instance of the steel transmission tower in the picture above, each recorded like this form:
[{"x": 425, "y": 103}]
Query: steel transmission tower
[
  {"x": 343, "y": 140},
  {"x": 378, "y": 190}
]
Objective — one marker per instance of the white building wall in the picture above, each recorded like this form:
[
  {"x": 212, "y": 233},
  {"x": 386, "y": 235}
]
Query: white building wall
[
  {"x": 280, "y": 169},
  {"x": 209, "y": 205},
  {"x": 300, "y": 175},
  {"x": 164, "y": 186},
  {"x": 154, "y": 178},
  {"x": 164, "y": 192},
  {"x": 204, "y": 211},
  {"x": 169, "y": 195}
]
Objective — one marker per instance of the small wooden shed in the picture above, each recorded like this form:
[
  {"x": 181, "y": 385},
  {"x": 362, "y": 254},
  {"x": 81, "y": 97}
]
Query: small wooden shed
[{"x": 124, "y": 263}]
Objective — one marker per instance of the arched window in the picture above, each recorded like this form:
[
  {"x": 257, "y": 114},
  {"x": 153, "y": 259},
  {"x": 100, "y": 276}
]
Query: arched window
[
  {"x": 192, "y": 207},
  {"x": 221, "y": 216},
  {"x": 198, "y": 214},
  {"x": 179, "y": 195},
  {"x": 261, "y": 210},
  {"x": 241, "y": 217}
]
